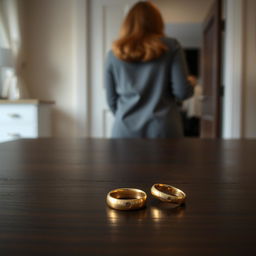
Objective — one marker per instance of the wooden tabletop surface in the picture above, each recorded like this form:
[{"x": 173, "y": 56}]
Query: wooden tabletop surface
[{"x": 52, "y": 197}]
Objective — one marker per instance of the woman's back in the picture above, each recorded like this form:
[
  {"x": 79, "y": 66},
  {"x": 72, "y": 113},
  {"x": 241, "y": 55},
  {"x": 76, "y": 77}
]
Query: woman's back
[{"x": 142, "y": 94}]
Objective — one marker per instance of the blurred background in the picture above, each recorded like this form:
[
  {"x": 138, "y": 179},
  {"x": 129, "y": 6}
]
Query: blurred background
[{"x": 54, "y": 50}]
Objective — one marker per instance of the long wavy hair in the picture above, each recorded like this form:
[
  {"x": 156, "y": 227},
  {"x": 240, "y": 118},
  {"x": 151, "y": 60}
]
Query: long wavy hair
[{"x": 140, "y": 34}]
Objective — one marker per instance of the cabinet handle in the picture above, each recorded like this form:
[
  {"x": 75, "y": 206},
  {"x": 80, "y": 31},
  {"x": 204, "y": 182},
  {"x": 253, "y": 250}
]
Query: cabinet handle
[
  {"x": 14, "y": 115},
  {"x": 14, "y": 135}
]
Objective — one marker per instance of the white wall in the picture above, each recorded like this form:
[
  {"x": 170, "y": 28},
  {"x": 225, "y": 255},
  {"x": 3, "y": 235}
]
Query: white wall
[
  {"x": 50, "y": 63},
  {"x": 233, "y": 69},
  {"x": 188, "y": 34},
  {"x": 249, "y": 106},
  {"x": 239, "y": 74},
  {"x": 183, "y": 11}
]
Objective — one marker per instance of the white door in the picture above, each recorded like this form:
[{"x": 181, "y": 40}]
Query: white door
[{"x": 106, "y": 17}]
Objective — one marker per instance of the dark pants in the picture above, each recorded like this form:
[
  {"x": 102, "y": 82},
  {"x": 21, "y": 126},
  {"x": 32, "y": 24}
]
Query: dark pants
[{"x": 191, "y": 125}]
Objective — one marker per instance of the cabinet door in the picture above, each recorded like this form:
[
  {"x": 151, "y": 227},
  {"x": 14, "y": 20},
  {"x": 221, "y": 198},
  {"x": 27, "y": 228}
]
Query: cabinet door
[
  {"x": 18, "y": 114},
  {"x": 106, "y": 17},
  {"x": 18, "y": 121},
  {"x": 8, "y": 133}
]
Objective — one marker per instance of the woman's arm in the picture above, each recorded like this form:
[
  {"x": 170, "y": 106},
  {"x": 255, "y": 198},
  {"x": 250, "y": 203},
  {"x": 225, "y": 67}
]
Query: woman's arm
[
  {"x": 182, "y": 89},
  {"x": 110, "y": 86}
]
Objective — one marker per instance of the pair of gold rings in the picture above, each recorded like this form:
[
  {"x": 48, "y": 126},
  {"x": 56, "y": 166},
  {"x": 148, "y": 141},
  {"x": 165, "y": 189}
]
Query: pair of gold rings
[{"x": 132, "y": 198}]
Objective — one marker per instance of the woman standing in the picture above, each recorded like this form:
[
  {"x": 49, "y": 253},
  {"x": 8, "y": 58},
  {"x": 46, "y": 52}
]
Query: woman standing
[{"x": 145, "y": 74}]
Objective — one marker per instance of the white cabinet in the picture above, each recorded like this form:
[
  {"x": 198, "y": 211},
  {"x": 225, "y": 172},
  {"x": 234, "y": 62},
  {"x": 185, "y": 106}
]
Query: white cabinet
[{"x": 24, "y": 119}]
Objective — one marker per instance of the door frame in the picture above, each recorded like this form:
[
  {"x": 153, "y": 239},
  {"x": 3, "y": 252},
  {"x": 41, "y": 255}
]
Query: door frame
[
  {"x": 233, "y": 69},
  {"x": 81, "y": 67},
  {"x": 233, "y": 72},
  {"x": 212, "y": 58}
]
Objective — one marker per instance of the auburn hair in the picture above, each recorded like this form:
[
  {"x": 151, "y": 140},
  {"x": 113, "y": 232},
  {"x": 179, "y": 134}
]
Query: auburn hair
[{"x": 140, "y": 34}]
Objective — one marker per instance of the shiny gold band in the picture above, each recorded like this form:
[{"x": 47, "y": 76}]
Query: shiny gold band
[
  {"x": 167, "y": 193},
  {"x": 126, "y": 199}
]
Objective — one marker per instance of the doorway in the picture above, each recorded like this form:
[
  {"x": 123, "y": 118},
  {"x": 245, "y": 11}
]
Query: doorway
[{"x": 195, "y": 24}]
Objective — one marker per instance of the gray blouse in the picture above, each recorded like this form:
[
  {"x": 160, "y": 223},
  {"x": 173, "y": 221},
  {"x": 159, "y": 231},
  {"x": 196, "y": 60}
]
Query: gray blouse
[{"x": 142, "y": 95}]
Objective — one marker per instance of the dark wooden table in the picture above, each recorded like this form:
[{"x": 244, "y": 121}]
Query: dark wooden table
[{"x": 52, "y": 197}]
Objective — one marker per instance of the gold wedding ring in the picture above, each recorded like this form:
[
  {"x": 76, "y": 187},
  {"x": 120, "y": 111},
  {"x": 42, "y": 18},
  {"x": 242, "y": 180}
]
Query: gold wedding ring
[
  {"x": 126, "y": 199},
  {"x": 167, "y": 193}
]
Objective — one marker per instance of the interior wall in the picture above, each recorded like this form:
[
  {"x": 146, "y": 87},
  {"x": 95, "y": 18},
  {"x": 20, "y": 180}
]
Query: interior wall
[
  {"x": 188, "y": 34},
  {"x": 184, "y": 11},
  {"x": 249, "y": 106},
  {"x": 50, "y": 62}
]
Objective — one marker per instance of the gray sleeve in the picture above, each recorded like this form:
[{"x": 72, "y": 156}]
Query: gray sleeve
[
  {"x": 181, "y": 87},
  {"x": 110, "y": 86}
]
